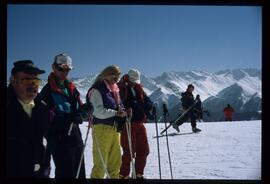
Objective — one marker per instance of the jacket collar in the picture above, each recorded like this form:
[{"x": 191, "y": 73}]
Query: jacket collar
[{"x": 55, "y": 87}]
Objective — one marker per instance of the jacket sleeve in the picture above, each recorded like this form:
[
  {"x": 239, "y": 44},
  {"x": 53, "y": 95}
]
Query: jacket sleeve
[
  {"x": 148, "y": 104},
  {"x": 99, "y": 110},
  {"x": 184, "y": 101}
]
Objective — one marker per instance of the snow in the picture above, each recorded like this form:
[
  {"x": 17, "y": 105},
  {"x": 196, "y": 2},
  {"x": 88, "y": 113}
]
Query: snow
[
  {"x": 251, "y": 85},
  {"x": 223, "y": 150}
]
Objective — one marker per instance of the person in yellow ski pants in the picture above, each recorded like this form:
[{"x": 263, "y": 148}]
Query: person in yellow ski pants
[{"x": 105, "y": 98}]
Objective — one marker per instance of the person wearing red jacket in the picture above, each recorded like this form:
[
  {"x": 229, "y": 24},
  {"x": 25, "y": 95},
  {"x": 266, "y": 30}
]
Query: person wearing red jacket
[
  {"x": 134, "y": 97},
  {"x": 228, "y": 111}
]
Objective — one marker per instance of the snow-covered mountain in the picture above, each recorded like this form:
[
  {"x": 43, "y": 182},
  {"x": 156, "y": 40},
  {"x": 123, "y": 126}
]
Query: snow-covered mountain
[
  {"x": 240, "y": 87},
  {"x": 235, "y": 95}
]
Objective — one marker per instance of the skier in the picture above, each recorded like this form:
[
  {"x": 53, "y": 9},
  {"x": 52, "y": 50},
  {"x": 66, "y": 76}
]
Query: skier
[
  {"x": 228, "y": 111},
  {"x": 108, "y": 111},
  {"x": 27, "y": 122},
  {"x": 187, "y": 101},
  {"x": 134, "y": 97},
  {"x": 64, "y": 137},
  {"x": 198, "y": 109}
]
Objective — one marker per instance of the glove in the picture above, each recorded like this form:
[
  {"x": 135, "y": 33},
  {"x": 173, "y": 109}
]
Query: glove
[
  {"x": 88, "y": 108},
  {"x": 149, "y": 115},
  {"x": 120, "y": 121},
  {"x": 45, "y": 172},
  {"x": 86, "y": 111},
  {"x": 76, "y": 118}
]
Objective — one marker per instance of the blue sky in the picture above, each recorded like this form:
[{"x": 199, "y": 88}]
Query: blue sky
[{"x": 153, "y": 39}]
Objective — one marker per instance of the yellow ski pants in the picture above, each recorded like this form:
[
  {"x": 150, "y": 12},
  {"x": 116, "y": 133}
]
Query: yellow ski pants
[{"x": 109, "y": 144}]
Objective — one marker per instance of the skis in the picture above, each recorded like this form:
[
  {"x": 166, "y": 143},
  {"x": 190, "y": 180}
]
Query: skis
[
  {"x": 175, "y": 134},
  {"x": 180, "y": 117}
]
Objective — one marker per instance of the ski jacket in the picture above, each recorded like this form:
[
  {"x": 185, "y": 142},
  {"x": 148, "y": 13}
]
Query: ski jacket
[
  {"x": 187, "y": 99},
  {"x": 64, "y": 107},
  {"x": 25, "y": 136},
  {"x": 134, "y": 97},
  {"x": 105, "y": 104},
  {"x": 228, "y": 112}
]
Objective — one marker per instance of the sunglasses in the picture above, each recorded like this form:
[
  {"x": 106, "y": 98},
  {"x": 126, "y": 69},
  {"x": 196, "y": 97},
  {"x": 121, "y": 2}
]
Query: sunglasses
[
  {"x": 115, "y": 78},
  {"x": 28, "y": 81},
  {"x": 62, "y": 69}
]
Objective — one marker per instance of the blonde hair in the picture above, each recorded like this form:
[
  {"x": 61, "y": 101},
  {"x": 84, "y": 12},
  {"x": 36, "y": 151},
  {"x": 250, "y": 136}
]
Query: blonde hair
[{"x": 108, "y": 71}]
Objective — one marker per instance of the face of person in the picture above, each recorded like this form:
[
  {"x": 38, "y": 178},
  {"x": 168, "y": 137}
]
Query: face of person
[
  {"x": 26, "y": 86},
  {"x": 60, "y": 72},
  {"x": 112, "y": 79},
  {"x": 190, "y": 90},
  {"x": 132, "y": 84}
]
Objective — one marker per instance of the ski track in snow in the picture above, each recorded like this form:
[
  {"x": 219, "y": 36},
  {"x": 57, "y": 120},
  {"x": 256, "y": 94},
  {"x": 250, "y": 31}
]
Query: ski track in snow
[{"x": 223, "y": 150}]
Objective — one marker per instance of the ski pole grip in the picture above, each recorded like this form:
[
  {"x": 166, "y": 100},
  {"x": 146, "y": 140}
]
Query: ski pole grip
[
  {"x": 154, "y": 111},
  {"x": 165, "y": 110}
]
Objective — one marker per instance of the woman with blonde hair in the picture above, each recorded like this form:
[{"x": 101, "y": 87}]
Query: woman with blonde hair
[{"x": 105, "y": 98}]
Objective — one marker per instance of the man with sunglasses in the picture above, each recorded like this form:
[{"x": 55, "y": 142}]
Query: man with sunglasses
[
  {"x": 27, "y": 122},
  {"x": 64, "y": 137}
]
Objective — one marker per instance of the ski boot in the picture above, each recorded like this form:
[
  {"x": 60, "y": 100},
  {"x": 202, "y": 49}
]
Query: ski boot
[
  {"x": 195, "y": 130},
  {"x": 140, "y": 176},
  {"x": 123, "y": 177},
  {"x": 176, "y": 127}
]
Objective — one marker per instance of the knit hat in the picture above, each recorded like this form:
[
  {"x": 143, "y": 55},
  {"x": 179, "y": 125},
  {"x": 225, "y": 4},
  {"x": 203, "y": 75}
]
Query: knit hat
[
  {"x": 134, "y": 76},
  {"x": 26, "y": 66}
]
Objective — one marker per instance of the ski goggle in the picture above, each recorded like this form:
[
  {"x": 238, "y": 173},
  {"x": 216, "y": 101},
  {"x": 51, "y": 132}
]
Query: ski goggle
[
  {"x": 60, "y": 69},
  {"x": 115, "y": 78},
  {"x": 28, "y": 81}
]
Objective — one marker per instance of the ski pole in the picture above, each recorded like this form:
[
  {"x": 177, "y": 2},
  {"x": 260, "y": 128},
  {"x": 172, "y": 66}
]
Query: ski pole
[
  {"x": 128, "y": 129},
  {"x": 155, "y": 117},
  {"x": 165, "y": 112},
  {"x": 100, "y": 154},
  {"x": 70, "y": 129},
  {"x": 81, "y": 159}
]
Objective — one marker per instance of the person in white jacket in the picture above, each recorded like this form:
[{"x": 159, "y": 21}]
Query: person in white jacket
[{"x": 105, "y": 99}]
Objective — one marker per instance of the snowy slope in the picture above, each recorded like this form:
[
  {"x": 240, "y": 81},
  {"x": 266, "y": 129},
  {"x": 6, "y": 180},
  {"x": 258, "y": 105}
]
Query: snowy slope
[{"x": 223, "y": 150}]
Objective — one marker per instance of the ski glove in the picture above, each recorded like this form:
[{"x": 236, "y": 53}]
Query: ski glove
[
  {"x": 45, "y": 172},
  {"x": 86, "y": 111},
  {"x": 120, "y": 121},
  {"x": 76, "y": 118}
]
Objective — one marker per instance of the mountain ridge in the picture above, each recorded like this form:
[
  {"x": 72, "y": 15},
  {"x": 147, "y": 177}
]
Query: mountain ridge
[{"x": 238, "y": 85}]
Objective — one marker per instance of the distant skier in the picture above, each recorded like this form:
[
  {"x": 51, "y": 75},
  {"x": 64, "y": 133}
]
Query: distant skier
[
  {"x": 198, "y": 108},
  {"x": 228, "y": 111},
  {"x": 187, "y": 101}
]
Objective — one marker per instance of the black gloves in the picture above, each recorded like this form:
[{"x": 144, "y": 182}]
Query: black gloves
[
  {"x": 86, "y": 111},
  {"x": 45, "y": 172},
  {"x": 75, "y": 118},
  {"x": 149, "y": 115},
  {"x": 120, "y": 121}
]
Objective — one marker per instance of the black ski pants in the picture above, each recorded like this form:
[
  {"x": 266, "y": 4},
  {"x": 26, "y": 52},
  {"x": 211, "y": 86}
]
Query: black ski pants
[
  {"x": 67, "y": 160},
  {"x": 191, "y": 114}
]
